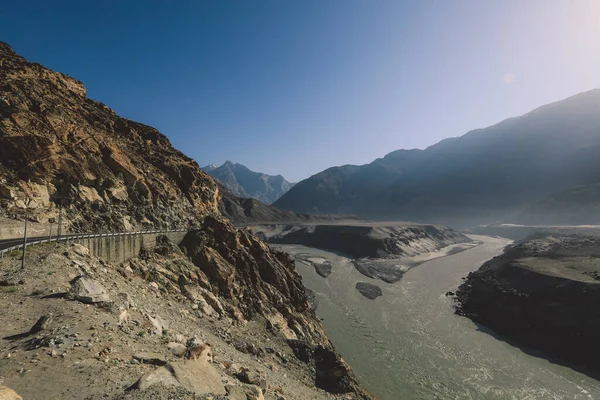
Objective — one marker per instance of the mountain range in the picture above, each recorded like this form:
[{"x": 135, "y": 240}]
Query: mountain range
[
  {"x": 487, "y": 175},
  {"x": 243, "y": 182}
]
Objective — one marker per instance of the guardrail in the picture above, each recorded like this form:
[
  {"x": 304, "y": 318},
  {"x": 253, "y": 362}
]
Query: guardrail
[{"x": 72, "y": 238}]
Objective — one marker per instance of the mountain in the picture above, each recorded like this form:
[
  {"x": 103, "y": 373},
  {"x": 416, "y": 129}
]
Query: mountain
[
  {"x": 111, "y": 174},
  {"x": 249, "y": 184},
  {"x": 578, "y": 205},
  {"x": 485, "y": 176}
]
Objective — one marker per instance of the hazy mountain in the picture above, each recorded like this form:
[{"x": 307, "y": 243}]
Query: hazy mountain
[
  {"x": 249, "y": 184},
  {"x": 485, "y": 176},
  {"x": 577, "y": 205}
]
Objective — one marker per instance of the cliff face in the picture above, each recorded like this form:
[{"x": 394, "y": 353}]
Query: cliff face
[
  {"x": 111, "y": 173},
  {"x": 543, "y": 294}
]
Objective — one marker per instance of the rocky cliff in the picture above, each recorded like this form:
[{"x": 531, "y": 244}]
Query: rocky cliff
[
  {"x": 57, "y": 145},
  {"x": 542, "y": 294}
]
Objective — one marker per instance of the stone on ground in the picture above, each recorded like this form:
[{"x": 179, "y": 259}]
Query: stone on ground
[
  {"x": 8, "y": 394},
  {"x": 159, "y": 376},
  {"x": 177, "y": 349},
  {"x": 197, "y": 376},
  {"x": 88, "y": 291}
]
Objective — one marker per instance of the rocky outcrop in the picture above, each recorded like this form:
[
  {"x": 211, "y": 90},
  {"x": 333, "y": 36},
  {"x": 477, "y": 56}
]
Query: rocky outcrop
[
  {"x": 361, "y": 239},
  {"x": 254, "y": 278},
  {"x": 57, "y": 145},
  {"x": 231, "y": 274},
  {"x": 542, "y": 294}
]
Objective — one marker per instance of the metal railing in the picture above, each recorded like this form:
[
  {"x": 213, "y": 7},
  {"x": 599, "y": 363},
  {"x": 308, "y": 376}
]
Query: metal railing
[{"x": 77, "y": 237}]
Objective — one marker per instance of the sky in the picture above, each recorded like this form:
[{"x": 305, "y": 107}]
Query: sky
[{"x": 293, "y": 87}]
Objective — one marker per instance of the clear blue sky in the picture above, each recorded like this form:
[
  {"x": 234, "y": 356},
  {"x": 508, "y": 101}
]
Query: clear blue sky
[{"x": 294, "y": 87}]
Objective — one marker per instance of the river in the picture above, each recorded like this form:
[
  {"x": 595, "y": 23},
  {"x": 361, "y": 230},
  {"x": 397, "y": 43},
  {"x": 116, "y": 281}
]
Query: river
[{"x": 408, "y": 344}]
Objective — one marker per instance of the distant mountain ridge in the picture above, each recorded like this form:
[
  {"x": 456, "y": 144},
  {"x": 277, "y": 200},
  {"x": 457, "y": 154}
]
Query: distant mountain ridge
[
  {"x": 243, "y": 182},
  {"x": 487, "y": 175}
]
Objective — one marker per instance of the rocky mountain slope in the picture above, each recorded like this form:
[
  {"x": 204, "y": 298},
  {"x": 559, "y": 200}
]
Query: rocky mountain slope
[
  {"x": 174, "y": 323},
  {"x": 484, "y": 176},
  {"x": 56, "y": 145},
  {"x": 249, "y": 184},
  {"x": 542, "y": 294}
]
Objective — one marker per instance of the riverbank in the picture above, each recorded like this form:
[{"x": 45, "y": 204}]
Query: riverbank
[{"x": 542, "y": 294}]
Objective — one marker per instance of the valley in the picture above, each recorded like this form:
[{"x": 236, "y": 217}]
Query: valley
[
  {"x": 409, "y": 344},
  {"x": 467, "y": 268}
]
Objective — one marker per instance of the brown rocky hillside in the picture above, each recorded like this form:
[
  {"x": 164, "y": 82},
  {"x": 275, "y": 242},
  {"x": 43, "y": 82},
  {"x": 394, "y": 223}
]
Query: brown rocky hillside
[{"x": 113, "y": 173}]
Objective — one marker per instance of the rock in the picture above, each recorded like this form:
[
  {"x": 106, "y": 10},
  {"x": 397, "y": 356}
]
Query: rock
[
  {"x": 199, "y": 351},
  {"x": 80, "y": 250},
  {"x": 253, "y": 392},
  {"x": 159, "y": 376},
  {"x": 323, "y": 269},
  {"x": 7, "y": 393},
  {"x": 247, "y": 376},
  {"x": 177, "y": 349},
  {"x": 235, "y": 392},
  {"x": 248, "y": 348},
  {"x": 205, "y": 307},
  {"x": 42, "y": 324},
  {"x": 197, "y": 376},
  {"x": 302, "y": 350},
  {"x": 332, "y": 372},
  {"x": 179, "y": 338},
  {"x": 369, "y": 290},
  {"x": 88, "y": 291},
  {"x": 158, "y": 324},
  {"x": 150, "y": 358}
]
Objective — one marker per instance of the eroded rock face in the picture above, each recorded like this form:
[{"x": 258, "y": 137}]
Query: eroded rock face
[
  {"x": 57, "y": 143},
  {"x": 254, "y": 278},
  {"x": 242, "y": 278}
]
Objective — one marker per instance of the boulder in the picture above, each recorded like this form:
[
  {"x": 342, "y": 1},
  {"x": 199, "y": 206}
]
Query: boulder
[
  {"x": 157, "y": 324},
  {"x": 197, "y": 376},
  {"x": 7, "y": 393},
  {"x": 42, "y": 324},
  {"x": 177, "y": 349},
  {"x": 235, "y": 392},
  {"x": 159, "y": 376},
  {"x": 88, "y": 291}
]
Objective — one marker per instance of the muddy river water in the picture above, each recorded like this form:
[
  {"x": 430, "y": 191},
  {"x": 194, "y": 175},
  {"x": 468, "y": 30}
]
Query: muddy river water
[{"x": 408, "y": 344}]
